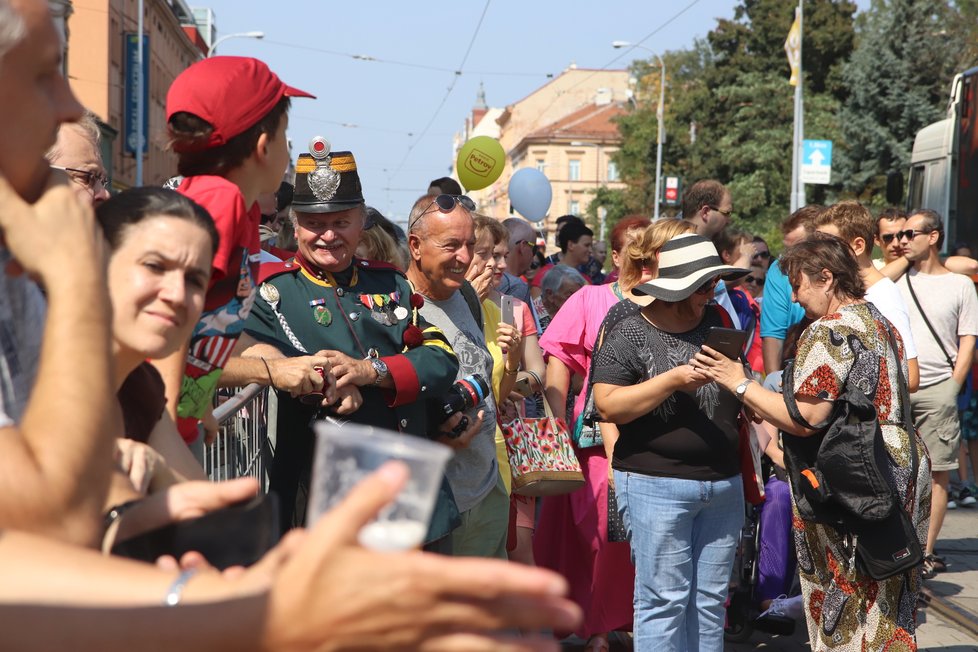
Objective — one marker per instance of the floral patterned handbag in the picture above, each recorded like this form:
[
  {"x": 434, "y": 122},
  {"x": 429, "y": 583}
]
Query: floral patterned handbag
[{"x": 541, "y": 456}]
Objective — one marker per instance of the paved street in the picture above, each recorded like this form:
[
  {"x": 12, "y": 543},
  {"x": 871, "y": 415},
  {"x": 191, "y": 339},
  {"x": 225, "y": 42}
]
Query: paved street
[{"x": 949, "y": 621}]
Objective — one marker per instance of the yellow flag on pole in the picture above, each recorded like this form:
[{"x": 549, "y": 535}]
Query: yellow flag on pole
[{"x": 792, "y": 47}]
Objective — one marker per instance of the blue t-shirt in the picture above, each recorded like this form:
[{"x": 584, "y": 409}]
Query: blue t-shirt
[{"x": 778, "y": 311}]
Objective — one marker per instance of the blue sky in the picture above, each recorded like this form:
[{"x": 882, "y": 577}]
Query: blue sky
[{"x": 419, "y": 44}]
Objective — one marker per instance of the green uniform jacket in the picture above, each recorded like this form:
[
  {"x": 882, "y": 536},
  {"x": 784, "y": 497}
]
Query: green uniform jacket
[{"x": 362, "y": 311}]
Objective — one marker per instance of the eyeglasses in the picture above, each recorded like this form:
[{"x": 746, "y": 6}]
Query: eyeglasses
[
  {"x": 90, "y": 180},
  {"x": 534, "y": 247},
  {"x": 910, "y": 234},
  {"x": 726, "y": 214},
  {"x": 888, "y": 238},
  {"x": 762, "y": 254},
  {"x": 756, "y": 280},
  {"x": 708, "y": 286},
  {"x": 445, "y": 204}
]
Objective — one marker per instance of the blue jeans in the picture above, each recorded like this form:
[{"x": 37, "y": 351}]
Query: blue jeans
[{"x": 683, "y": 535}]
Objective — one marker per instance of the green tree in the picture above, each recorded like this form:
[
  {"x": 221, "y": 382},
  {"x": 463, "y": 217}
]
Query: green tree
[
  {"x": 897, "y": 82},
  {"x": 729, "y": 108}
]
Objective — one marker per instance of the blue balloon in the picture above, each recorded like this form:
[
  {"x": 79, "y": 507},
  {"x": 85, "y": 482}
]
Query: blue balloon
[{"x": 530, "y": 193}]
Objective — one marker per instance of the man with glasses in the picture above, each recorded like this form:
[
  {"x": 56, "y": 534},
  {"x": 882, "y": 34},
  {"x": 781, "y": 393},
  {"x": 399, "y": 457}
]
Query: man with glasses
[
  {"x": 944, "y": 319},
  {"x": 762, "y": 253},
  {"x": 522, "y": 246},
  {"x": 441, "y": 242},
  {"x": 77, "y": 153},
  {"x": 708, "y": 205}
]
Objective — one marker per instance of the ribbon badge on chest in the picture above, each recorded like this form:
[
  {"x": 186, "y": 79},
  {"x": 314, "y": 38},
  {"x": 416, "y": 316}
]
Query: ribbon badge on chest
[{"x": 320, "y": 312}]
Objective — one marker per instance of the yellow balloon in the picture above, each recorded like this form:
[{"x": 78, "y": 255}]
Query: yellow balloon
[{"x": 480, "y": 162}]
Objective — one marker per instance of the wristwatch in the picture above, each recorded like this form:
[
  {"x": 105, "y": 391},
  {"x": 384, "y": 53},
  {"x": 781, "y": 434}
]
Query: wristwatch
[
  {"x": 742, "y": 388},
  {"x": 381, "y": 368}
]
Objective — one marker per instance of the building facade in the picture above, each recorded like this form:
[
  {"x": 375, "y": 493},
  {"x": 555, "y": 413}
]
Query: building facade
[
  {"x": 565, "y": 129},
  {"x": 98, "y": 32}
]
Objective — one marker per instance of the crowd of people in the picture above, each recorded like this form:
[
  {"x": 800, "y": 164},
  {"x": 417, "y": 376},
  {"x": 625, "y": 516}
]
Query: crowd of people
[{"x": 154, "y": 297}]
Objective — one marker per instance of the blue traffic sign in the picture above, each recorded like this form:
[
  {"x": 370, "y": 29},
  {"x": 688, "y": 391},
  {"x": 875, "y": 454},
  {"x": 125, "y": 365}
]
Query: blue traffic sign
[{"x": 816, "y": 161}]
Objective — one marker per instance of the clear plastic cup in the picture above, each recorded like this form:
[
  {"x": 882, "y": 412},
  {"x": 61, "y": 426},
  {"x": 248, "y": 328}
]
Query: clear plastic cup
[{"x": 346, "y": 454}]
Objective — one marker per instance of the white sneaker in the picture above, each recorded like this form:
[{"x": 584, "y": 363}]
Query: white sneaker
[
  {"x": 951, "y": 502},
  {"x": 786, "y": 607}
]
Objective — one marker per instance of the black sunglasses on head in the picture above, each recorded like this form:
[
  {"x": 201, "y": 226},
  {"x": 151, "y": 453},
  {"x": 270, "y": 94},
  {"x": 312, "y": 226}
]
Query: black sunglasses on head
[{"x": 445, "y": 204}]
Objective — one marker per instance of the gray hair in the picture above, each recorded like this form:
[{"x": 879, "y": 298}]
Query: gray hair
[
  {"x": 12, "y": 28},
  {"x": 518, "y": 229},
  {"x": 87, "y": 125},
  {"x": 558, "y": 275},
  {"x": 417, "y": 225}
]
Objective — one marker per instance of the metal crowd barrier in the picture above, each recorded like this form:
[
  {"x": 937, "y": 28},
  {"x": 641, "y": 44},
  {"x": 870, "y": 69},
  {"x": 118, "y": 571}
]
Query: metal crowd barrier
[{"x": 246, "y": 440}]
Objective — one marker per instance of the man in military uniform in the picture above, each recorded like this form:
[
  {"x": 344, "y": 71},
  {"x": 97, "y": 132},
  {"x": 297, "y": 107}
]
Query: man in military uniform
[{"x": 362, "y": 316}]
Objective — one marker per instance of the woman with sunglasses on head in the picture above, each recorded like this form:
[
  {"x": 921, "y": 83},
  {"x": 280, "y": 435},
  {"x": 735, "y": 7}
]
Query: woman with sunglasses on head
[
  {"x": 676, "y": 464},
  {"x": 572, "y": 533}
]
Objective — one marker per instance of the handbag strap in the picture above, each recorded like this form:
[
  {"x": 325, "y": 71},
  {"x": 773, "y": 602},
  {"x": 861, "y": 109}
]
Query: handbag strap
[
  {"x": 923, "y": 315},
  {"x": 788, "y": 392}
]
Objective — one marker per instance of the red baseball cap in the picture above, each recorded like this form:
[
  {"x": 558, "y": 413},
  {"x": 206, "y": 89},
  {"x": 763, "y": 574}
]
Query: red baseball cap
[{"x": 231, "y": 93}]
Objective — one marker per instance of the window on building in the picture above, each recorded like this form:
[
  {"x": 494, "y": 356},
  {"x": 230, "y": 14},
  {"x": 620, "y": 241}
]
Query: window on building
[
  {"x": 541, "y": 165},
  {"x": 574, "y": 207},
  {"x": 612, "y": 171},
  {"x": 574, "y": 170}
]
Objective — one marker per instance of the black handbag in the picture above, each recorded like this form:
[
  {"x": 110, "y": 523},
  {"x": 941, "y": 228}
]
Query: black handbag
[{"x": 837, "y": 478}]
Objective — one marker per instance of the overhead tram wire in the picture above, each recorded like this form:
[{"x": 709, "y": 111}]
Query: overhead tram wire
[
  {"x": 448, "y": 92},
  {"x": 625, "y": 51},
  {"x": 406, "y": 64}
]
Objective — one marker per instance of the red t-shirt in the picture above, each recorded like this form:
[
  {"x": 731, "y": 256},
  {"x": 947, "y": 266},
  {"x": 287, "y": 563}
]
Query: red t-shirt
[{"x": 229, "y": 298}]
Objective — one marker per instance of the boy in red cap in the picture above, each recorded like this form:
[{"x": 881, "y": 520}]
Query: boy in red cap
[{"x": 226, "y": 118}]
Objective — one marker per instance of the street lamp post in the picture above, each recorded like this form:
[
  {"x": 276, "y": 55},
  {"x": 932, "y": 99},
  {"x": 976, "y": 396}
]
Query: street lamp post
[
  {"x": 213, "y": 47},
  {"x": 660, "y": 120}
]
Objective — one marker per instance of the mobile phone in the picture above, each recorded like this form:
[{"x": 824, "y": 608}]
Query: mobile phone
[
  {"x": 237, "y": 535},
  {"x": 522, "y": 386},
  {"x": 728, "y": 341},
  {"x": 506, "y": 304}
]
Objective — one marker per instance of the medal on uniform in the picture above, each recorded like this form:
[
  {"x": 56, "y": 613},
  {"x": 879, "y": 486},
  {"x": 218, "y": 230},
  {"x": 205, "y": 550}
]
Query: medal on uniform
[
  {"x": 270, "y": 294},
  {"x": 320, "y": 312},
  {"x": 400, "y": 313},
  {"x": 324, "y": 180},
  {"x": 322, "y": 315}
]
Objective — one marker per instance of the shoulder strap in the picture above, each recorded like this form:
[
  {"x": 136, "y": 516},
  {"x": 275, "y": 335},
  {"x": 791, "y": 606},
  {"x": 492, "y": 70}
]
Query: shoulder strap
[
  {"x": 472, "y": 299},
  {"x": 788, "y": 391},
  {"x": 923, "y": 315}
]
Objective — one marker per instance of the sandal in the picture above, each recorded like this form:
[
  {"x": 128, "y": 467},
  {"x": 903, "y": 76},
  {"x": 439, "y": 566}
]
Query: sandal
[
  {"x": 937, "y": 563},
  {"x": 932, "y": 566},
  {"x": 597, "y": 643}
]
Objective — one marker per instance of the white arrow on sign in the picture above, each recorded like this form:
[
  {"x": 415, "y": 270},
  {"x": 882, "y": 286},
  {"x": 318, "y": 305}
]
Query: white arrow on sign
[{"x": 816, "y": 157}]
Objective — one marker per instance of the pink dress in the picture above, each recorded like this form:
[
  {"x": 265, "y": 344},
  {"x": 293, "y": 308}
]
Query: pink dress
[{"x": 571, "y": 536}]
